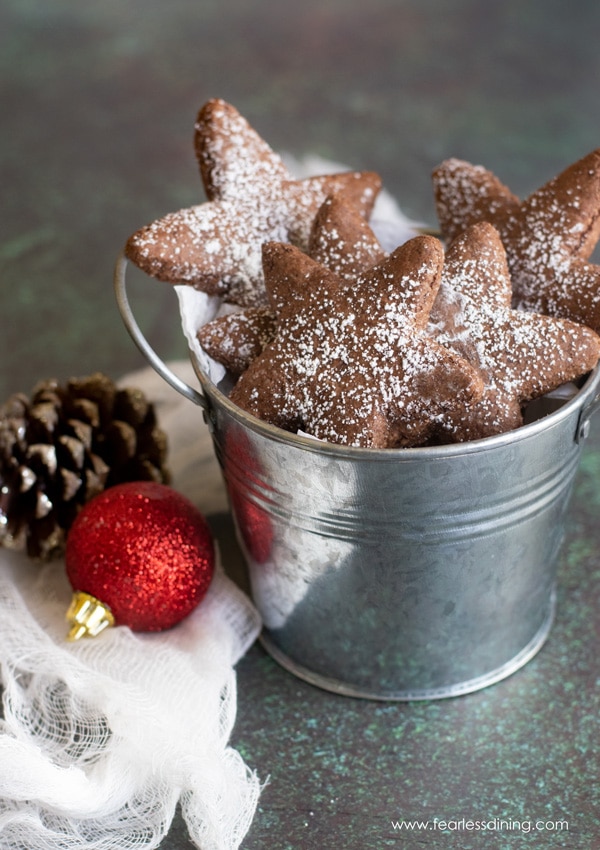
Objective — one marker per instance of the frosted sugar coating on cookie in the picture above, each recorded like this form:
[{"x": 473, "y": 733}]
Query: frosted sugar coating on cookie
[
  {"x": 252, "y": 198},
  {"x": 351, "y": 363},
  {"x": 340, "y": 239},
  {"x": 520, "y": 355},
  {"x": 235, "y": 340},
  {"x": 549, "y": 237}
]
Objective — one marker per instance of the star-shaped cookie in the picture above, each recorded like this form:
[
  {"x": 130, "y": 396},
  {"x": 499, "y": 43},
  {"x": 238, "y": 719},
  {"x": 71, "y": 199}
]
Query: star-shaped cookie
[
  {"x": 252, "y": 198},
  {"x": 351, "y": 362},
  {"x": 340, "y": 239},
  {"x": 549, "y": 237},
  {"x": 521, "y": 355}
]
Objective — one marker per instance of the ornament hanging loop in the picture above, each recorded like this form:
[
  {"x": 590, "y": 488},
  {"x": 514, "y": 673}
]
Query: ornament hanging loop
[
  {"x": 142, "y": 343},
  {"x": 87, "y": 616}
]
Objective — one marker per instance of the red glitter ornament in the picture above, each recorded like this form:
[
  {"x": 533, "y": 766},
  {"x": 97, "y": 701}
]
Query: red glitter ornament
[{"x": 142, "y": 551}]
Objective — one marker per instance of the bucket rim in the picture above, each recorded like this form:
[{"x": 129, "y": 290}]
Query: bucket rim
[{"x": 587, "y": 395}]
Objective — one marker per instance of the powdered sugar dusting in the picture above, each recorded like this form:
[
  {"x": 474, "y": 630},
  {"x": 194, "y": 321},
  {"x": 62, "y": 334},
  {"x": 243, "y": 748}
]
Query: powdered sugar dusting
[
  {"x": 340, "y": 239},
  {"x": 549, "y": 237},
  {"x": 216, "y": 246},
  {"x": 468, "y": 193},
  {"x": 237, "y": 339},
  {"x": 521, "y": 355},
  {"x": 353, "y": 364}
]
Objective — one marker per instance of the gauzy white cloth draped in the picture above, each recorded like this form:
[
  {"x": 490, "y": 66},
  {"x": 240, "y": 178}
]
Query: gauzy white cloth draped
[{"x": 103, "y": 738}]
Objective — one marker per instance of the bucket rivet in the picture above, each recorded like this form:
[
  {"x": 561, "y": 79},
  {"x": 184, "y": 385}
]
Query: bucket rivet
[
  {"x": 584, "y": 431},
  {"x": 210, "y": 419}
]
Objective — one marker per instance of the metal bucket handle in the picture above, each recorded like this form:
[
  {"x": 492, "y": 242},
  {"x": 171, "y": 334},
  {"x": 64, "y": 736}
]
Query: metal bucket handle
[{"x": 142, "y": 343}]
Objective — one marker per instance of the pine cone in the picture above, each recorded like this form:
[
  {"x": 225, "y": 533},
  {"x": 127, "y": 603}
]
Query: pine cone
[{"x": 65, "y": 445}]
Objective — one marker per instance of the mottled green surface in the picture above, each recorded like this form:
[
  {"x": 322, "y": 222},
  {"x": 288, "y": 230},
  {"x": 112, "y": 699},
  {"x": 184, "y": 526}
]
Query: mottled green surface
[{"x": 98, "y": 103}]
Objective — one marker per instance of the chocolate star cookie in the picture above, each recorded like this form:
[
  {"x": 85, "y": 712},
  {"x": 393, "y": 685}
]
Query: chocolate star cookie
[
  {"x": 521, "y": 355},
  {"x": 252, "y": 198},
  {"x": 340, "y": 239},
  {"x": 549, "y": 237},
  {"x": 351, "y": 362},
  {"x": 235, "y": 340}
]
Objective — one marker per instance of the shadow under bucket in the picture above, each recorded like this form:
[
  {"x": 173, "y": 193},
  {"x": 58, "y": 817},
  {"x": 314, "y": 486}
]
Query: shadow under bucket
[{"x": 397, "y": 574}]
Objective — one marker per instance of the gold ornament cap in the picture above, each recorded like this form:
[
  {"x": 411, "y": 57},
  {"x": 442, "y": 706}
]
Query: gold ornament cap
[{"x": 87, "y": 616}]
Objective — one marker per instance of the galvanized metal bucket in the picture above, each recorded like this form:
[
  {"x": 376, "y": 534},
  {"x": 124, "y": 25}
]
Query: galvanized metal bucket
[{"x": 397, "y": 574}]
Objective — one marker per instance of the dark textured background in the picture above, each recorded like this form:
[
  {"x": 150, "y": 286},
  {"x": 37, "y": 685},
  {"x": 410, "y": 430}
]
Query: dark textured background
[{"x": 98, "y": 101}]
